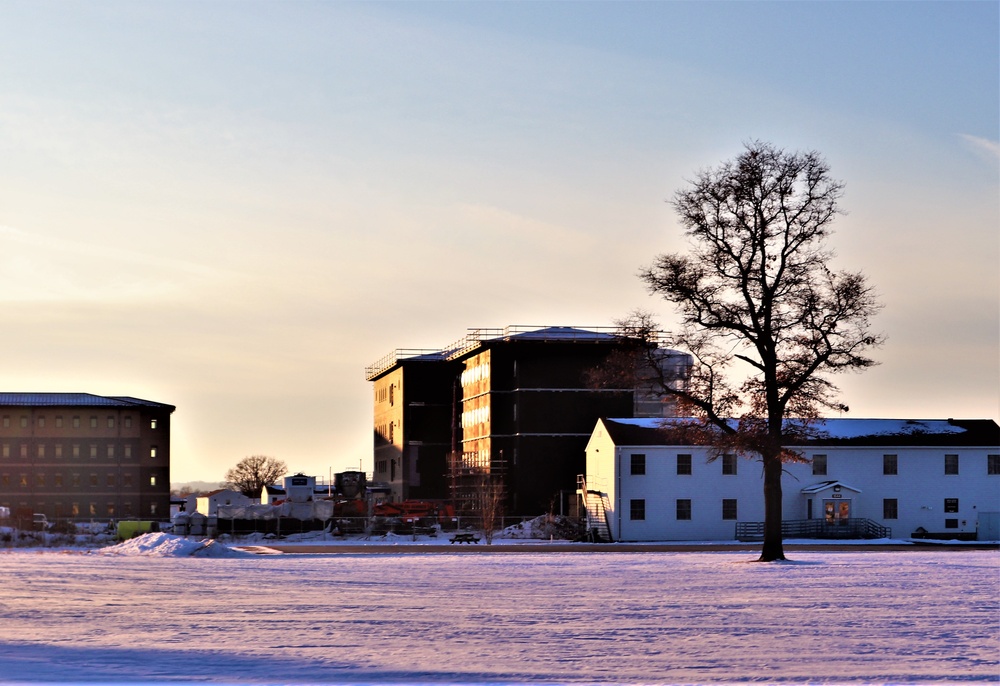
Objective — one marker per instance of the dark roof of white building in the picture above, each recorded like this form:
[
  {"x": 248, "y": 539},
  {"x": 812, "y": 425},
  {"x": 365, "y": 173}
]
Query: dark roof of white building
[
  {"x": 76, "y": 400},
  {"x": 874, "y": 432}
]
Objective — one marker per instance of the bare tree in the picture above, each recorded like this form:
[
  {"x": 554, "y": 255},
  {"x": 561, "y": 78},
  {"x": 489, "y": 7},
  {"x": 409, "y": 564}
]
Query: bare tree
[
  {"x": 756, "y": 291},
  {"x": 251, "y": 474},
  {"x": 490, "y": 496}
]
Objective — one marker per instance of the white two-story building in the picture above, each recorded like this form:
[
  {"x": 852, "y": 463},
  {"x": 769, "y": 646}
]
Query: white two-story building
[{"x": 863, "y": 477}]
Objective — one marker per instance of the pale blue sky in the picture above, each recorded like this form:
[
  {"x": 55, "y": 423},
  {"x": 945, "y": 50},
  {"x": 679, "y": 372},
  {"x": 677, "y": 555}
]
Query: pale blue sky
[{"x": 234, "y": 207}]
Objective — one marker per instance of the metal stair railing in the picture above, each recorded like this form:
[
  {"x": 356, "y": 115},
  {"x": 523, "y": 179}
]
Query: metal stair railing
[
  {"x": 856, "y": 527},
  {"x": 595, "y": 505}
]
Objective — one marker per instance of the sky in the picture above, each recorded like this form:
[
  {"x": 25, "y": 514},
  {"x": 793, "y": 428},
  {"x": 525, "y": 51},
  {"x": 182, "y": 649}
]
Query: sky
[{"x": 235, "y": 207}]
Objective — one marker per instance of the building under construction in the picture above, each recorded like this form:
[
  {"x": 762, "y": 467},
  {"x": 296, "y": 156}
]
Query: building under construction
[{"x": 503, "y": 412}]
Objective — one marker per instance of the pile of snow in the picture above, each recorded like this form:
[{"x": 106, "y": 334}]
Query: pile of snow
[
  {"x": 545, "y": 527},
  {"x": 168, "y": 545}
]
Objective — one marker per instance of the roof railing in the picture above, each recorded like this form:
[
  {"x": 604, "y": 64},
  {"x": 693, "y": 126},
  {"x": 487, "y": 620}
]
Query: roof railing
[
  {"x": 477, "y": 336},
  {"x": 390, "y": 360}
]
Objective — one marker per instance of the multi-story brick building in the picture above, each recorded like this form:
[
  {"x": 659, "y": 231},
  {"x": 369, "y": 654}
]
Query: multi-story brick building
[
  {"x": 517, "y": 402},
  {"x": 77, "y": 456}
]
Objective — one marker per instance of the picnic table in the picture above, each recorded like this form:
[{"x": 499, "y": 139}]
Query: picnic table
[{"x": 464, "y": 538}]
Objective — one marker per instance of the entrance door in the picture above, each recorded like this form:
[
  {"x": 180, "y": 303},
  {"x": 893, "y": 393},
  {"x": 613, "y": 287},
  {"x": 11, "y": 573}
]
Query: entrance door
[{"x": 837, "y": 511}]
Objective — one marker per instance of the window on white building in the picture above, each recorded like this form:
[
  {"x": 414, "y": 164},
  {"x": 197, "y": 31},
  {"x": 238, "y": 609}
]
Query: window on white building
[
  {"x": 951, "y": 464},
  {"x": 683, "y": 464},
  {"x": 890, "y": 465},
  {"x": 729, "y": 465},
  {"x": 819, "y": 465},
  {"x": 638, "y": 464}
]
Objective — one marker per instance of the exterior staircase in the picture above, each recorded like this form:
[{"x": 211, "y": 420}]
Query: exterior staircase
[{"x": 595, "y": 504}]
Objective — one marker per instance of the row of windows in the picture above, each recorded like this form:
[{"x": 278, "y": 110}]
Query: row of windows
[
  {"x": 76, "y": 421},
  {"x": 637, "y": 509},
  {"x": 91, "y": 509},
  {"x": 58, "y": 480},
  {"x": 384, "y": 393},
  {"x": 890, "y": 464},
  {"x": 890, "y": 509},
  {"x": 75, "y": 450}
]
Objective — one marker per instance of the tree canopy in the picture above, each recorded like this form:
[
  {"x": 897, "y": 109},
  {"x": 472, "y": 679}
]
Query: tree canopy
[
  {"x": 253, "y": 473},
  {"x": 757, "y": 288}
]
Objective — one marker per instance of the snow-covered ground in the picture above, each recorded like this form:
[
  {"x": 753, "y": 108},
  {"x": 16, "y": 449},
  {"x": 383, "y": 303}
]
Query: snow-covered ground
[{"x": 160, "y": 608}]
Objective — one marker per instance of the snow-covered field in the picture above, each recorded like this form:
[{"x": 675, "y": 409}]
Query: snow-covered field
[{"x": 165, "y": 609}]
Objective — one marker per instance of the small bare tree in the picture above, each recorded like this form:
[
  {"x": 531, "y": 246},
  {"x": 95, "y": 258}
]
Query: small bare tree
[
  {"x": 756, "y": 289},
  {"x": 252, "y": 474},
  {"x": 490, "y": 495}
]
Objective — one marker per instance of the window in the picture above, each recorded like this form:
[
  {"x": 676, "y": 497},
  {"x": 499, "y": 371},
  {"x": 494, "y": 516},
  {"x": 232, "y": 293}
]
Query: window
[
  {"x": 58, "y": 480},
  {"x": 24, "y": 422},
  {"x": 75, "y": 481},
  {"x": 75, "y": 509},
  {"x": 6, "y": 422},
  {"x": 6, "y": 449},
  {"x": 4, "y": 479},
  {"x": 819, "y": 465},
  {"x": 111, "y": 480},
  {"x": 152, "y": 452},
  {"x": 127, "y": 480},
  {"x": 76, "y": 422},
  {"x": 111, "y": 422},
  {"x": 890, "y": 466},
  {"x": 128, "y": 422},
  {"x": 93, "y": 479},
  {"x": 683, "y": 508},
  {"x": 58, "y": 449},
  {"x": 111, "y": 509},
  {"x": 729, "y": 508},
  {"x": 951, "y": 464},
  {"x": 24, "y": 450},
  {"x": 951, "y": 524},
  {"x": 93, "y": 450},
  {"x": 152, "y": 480},
  {"x": 41, "y": 450},
  {"x": 128, "y": 451},
  {"x": 40, "y": 479},
  {"x": 152, "y": 508},
  {"x": 152, "y": 423},
  {"x": 890, "y": 508},
  {"x": 951, "y": 504},
  {"x": 637, "y": 510},
  {"x": 93, "y": 422},
  {"x": 683, "y": 464},
  {"x": 59, "y": 422},
  {"x": 729, "y": 465},
  {"x": 41, "y": 422},
  {"x": 993, "y": 464},
  {"x": 23, "y": 481},
  {"x": 638, "y": 465},
  {"x": 76, "y": 450},
  {"x": 111, "y": 451}
]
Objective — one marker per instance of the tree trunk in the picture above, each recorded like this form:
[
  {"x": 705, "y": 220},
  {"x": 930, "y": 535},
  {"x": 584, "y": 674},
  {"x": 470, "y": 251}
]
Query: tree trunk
[{"x": 772, "y": 549}]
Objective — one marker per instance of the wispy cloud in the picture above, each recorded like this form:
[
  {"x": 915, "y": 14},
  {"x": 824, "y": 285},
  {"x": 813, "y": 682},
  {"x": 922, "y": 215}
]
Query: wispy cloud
[
  {"x": 43, "y": 267},
  {"x": 983, "y": 146}
]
